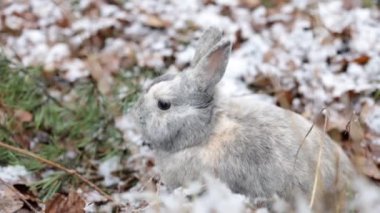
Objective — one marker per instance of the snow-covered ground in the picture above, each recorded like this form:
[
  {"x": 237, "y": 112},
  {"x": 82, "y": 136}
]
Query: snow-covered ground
[{"x": 304, "y": 56}]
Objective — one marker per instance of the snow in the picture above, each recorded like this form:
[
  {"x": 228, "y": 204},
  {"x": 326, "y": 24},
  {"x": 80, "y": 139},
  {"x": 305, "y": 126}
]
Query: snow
[
  {"x": 14, "y": 22},
  {"x": 15, "y": 174},
  {"x": 15, "y": 8},
  {"x": 57, "y": 54},
  {"x": 219, "y": 198},
  {"x": 300, "y": 4},
  {"x": 185, "y": 56},
  {"x": 309, "y": 55},
  {"x": 75, "y": 69},
  {"x": 373, "y": 119},
  {"x": 334, "y": 17},
  {"x": 128, "y": 126},
  {"x": 211, "y": 196},
  {"x": 372, "y": 69},
  {"x": 106, "y": 168},
  {"x": 47, "y": 11}
]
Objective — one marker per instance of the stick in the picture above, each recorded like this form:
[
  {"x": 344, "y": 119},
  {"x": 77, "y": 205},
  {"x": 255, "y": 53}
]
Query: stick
[{"x": 56, "y": 165}]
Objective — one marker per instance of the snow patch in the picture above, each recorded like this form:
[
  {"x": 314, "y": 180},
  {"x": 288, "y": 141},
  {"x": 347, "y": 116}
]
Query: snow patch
[
  {"x": 106, "y": 168},
  {"x": 14, "y": 174}
]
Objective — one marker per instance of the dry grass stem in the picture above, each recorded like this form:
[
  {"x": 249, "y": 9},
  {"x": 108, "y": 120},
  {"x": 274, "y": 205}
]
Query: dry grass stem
[
  {"x": 304, "y": 140},
  {"x": 317, "y": 170}
]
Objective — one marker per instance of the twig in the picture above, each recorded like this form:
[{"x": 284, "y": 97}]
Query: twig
[
  {"x": 304, "y": 140},
  {"x": 19, "y": 195},
  {"x": 317, "y": 170},
  {"x": 56, "y": 165},
  {"x": 302, "y": 143}
]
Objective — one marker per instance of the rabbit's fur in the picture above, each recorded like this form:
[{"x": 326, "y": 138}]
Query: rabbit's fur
[{"x": 249, "y": 145}]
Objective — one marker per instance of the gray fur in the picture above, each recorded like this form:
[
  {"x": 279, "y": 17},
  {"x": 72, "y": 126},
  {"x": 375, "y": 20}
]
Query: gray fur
[
  {"x": 207, "y": 41},
  {"x": 165, "y": 77},
  {"x": 249, "y": 145},
  {"x": 210, "y": 68}
]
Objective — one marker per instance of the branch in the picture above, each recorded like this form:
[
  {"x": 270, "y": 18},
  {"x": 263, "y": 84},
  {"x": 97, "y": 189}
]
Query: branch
[{"x": 56, "y": 165}]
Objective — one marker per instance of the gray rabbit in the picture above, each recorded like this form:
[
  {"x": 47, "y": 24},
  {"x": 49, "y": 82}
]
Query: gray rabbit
[{"x": 249, "y": 145}]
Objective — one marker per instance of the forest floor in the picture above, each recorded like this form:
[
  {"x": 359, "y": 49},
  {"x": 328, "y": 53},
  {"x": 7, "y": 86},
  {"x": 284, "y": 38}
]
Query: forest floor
[{"x": 71, "y": 70}]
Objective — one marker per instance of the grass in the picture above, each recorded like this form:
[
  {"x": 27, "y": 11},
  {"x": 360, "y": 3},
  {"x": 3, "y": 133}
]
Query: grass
[{"x": 83, "y": 126}]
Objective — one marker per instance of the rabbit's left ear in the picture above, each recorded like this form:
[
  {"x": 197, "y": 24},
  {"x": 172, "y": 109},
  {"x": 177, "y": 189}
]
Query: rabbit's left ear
[
  {"x": 211, "y": 67},
  {"x": 210, "y": 37}
]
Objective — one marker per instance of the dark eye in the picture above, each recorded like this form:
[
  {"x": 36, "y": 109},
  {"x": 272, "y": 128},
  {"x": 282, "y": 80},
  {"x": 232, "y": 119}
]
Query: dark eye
[{"x": 163, "y": 105}]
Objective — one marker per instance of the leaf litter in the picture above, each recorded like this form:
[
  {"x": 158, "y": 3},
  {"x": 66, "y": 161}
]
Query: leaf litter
[{"x": 302, "y": 55}]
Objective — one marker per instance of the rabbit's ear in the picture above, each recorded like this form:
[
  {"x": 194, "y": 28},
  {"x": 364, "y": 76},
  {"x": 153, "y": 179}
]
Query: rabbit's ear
[
  {"x": 211, "y": 67},
  {"x": 209, "y": 39}
]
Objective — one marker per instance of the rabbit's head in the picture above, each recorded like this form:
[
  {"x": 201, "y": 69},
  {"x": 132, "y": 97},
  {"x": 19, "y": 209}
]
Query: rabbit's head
[{"x": 175, "y": 110}]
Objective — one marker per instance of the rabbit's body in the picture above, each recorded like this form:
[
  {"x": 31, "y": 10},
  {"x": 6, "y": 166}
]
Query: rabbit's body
[
  {"x": 255, "y": 152},
  {"x": 251, "y": 146}
]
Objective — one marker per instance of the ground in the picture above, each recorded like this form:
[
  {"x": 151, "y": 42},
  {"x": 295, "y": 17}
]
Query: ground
[{"x": 71, "y": 70}]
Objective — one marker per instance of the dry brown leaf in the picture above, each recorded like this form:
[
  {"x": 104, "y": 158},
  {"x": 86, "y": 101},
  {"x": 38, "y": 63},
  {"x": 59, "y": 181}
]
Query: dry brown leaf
[
  {"x": 284, "y": 99},
  {"x": 261, "y": 82},
  {"x": 351, "y": 4},
  {"x": 335, "y": 134},
  {"x": 102, "y": 77},
  {"x": 356, "y": 131},
  {"x": 362, "y": 60},
  {"x": 3, "y": 117},
  {"x": 23, "y": 116},
  {"x": 71, "y": 203},
  {"x": 367, "y": 167},
  {"x": 9, "y": 200},
  {"x": 251, "y": 4},
  {"x": 155, "y": 21}
]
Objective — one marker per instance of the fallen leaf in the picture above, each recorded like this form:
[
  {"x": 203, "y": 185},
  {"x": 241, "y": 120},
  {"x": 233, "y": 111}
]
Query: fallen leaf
[
  {"x": 284, "y": 99},
  {"x": 351, "y": 4},
  {"x": 102, "y": 77},
  {"x": 367, "y": 167},
  {"x": 3, "y": 117},
  {"x": 155, "y": 21},
  {"x": 30, "y": 200},
  {"x": 9, "y": 200},
  {"x": 72, "y": 203},
  {"x": 335, "y": 134},
  {"x": 251, "y": 4},
  {"x": 356, "y": 130},
  {"x": 362, "y": 60},
  {"x": 23, "y": 116}
]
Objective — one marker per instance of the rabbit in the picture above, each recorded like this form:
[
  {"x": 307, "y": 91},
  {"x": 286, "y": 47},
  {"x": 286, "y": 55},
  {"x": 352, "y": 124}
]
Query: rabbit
[{"x": 256, "y": 148}]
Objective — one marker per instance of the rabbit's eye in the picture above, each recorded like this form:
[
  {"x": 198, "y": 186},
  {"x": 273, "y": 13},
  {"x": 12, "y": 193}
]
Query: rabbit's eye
[{"x": 163, "y": 105}]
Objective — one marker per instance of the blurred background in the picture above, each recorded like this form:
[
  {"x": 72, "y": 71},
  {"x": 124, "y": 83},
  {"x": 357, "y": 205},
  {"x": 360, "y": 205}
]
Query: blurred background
[{"x": 70, "y": 70}]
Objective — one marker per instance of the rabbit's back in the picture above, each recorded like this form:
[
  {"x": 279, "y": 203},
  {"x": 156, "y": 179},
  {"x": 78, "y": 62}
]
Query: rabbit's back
[{"x": 266, "y": 155}]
